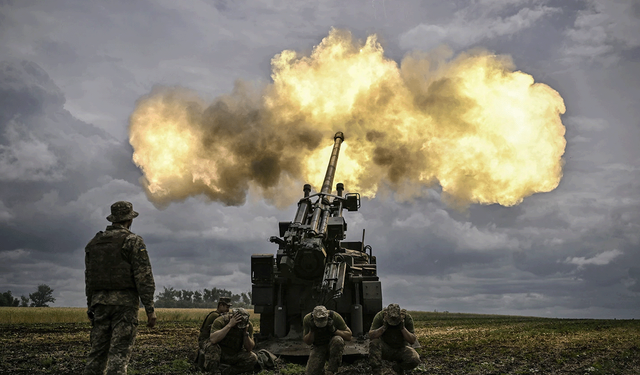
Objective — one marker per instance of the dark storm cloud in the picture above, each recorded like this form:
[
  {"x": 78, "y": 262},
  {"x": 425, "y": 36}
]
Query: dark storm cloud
[
  {"x": 50, "y": 163},
  {"x": 64, "y": 156},
  {"x": 49, "y": 210},
  {"x": 26, "y": 89},
  {"x": 42, "y": 142}
]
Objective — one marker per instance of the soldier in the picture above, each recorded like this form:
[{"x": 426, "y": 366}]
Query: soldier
[
  {"x": 224, "y": 303},
  {"x": 230, "y": 343},
  {"x": 326, "y": 332},
  {"x": 390, "y": 338},
  {"x": 118, "y": 276}
]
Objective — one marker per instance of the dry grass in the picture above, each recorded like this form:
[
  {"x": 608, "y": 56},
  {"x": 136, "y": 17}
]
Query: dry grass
[
  {"x": 39, "y": 315},
  {"x": 32, "y": 315}
]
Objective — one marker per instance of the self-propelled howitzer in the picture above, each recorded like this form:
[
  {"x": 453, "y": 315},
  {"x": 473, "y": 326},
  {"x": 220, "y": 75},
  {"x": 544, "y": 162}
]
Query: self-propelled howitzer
[{"x": 315, "y": 266}]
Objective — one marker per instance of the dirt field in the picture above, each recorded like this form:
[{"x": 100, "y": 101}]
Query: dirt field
[{"x": 451, "y": 344}]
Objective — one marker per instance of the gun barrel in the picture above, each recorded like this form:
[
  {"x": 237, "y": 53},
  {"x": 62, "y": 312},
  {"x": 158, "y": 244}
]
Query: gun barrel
[
  {"x": 318, "y": 219},
  {"x": 333, "y": 162}
]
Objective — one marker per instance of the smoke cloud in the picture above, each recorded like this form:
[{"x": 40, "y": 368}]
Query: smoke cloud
[{"x": 471, "y": 123}]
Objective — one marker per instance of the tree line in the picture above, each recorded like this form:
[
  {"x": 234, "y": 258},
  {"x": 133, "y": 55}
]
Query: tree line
[
  {"x": 39, "y": 298},
  {"x": 169, "y": 297},
  {"x": 208, "y": 298}
]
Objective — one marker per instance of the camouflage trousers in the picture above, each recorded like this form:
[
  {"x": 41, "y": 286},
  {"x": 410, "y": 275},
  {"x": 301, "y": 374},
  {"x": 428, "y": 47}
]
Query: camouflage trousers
[
  {"x": 112, "y": 337},
  {"x": 242, "y": 361},
  {"x": 331, "y": 352},
  {"x": 405, "y": 356}
]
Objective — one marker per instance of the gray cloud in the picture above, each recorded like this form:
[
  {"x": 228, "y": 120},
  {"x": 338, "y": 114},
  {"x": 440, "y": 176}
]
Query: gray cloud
[
  {"x": 604, "y": 31},
  {"x": 477, "y": 22},
  {"x": 49, "y": 211},
  {"x": 67, "y": 92}
]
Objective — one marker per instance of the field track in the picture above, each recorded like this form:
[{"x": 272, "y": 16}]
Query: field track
[{"x": 56, "y": 341}]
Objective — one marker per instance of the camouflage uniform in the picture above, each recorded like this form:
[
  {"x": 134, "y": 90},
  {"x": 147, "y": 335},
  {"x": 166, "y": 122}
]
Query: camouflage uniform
[
  {"x": 112, "y": 337},
  {"x": 392, "y": 346},
  {"x": 115, "y": 283},
  {"x": 230, "y": 350},
  {"x": 205, "y": 331},
  {"x": 327, "y": 347}
]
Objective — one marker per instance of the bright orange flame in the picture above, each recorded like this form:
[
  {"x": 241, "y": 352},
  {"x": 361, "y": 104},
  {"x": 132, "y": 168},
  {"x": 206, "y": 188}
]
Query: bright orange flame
[{"x": 486, "y": 133}]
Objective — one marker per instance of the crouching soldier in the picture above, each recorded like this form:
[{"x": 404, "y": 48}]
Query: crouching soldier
[
  {"x": 326, "y": 331},
  {"x": 390, "y": 338},
  {"x": 224, "y": 304},
  {"x": 230, "y": 343}
]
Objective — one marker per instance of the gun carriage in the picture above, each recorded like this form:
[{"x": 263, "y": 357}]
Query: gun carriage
[{"x": 314, "y": 265}]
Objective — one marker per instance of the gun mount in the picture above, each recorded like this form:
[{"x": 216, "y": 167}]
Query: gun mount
[{"x": 315, "y": 266}]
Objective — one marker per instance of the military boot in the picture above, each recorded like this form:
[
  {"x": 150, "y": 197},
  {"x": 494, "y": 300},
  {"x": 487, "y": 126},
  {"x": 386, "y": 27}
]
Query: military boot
[{"x": 199, "y": 361}]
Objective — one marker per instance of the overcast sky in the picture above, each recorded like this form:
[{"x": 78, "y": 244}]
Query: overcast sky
[{"x": 71, "y": 72}]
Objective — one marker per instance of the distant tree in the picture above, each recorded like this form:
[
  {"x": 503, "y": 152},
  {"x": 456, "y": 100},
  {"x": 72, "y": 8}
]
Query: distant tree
[
  {"x": 187, "y": 296},
  {"x": 212, "y": 295},
  {"x": 197, "y": 297},
  {"x": 25, "y": 301},
  {"x": 42, "y": 296},
  {"x": 7, "y": 299},
  {"x": 246, "y": 298},
  {"x": 208, "y": 298},
  {"x": 168, "y": 297}
]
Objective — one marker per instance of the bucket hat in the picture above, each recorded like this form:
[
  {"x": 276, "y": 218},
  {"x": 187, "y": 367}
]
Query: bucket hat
[
  {"x": 320, "y": 316},
  {"x": 122, "y": 211}
]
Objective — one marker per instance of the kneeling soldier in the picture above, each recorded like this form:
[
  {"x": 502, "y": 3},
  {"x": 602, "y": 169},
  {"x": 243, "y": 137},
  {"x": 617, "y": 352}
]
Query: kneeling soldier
[
  {"x": 230, "y": 343},
  {"x": 326, "y": 331},
  {"x": 390, "y": 338},
  {"x": 224, "y": 304}
]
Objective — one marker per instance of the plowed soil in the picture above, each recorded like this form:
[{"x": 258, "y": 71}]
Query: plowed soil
[{"x": 451, "y": 344}]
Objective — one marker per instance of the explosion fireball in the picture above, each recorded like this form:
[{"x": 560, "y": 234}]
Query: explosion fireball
[{"x": 485, "y": 132}]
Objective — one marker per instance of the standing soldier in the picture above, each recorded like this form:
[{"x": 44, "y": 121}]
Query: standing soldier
[
  {"x": 117, "y": 277},
  {"x": 224, "y": 303},
  {"x": 230, "y": 343},
  {"x": 390, "y": 338},
  {"x": 326, "y": 331}
]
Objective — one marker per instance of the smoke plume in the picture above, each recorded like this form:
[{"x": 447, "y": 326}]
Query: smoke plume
[{"x": 472, "y": 123}]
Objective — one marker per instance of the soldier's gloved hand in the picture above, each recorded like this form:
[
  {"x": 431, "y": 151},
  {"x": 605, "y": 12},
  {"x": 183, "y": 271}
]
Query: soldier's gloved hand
[{"x": 151, "y": 319}]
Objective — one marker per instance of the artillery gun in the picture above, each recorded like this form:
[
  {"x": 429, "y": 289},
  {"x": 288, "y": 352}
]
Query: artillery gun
[{"x": 315, "y": 266}]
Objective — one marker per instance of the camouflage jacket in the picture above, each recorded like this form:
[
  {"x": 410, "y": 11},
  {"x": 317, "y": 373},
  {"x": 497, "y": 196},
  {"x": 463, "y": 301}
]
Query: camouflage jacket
[
  {"x": 393, "y": 336},
  {"x": 135, "y": 253}
]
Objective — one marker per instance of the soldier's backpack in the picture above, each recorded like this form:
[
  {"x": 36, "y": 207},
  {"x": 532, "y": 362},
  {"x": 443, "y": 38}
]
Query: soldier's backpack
[{"x": 266, "y": 359}]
